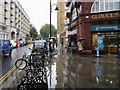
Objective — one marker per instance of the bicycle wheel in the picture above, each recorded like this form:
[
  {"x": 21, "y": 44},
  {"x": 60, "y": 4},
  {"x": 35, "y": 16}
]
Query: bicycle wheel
[
  {"x": 21, "y": 64},
  {"x": 46, "y": 61}
]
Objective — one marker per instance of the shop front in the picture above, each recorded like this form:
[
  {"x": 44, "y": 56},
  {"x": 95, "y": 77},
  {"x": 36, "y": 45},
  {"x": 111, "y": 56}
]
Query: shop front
[
  {"x": 107, "y": 26},
  {"x": 111, "y": 38}
]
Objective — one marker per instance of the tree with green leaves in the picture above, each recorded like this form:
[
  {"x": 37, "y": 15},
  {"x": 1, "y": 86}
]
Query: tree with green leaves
[
  {"x": 45, "y": 31},
  {"x": 33, "y": 32}
]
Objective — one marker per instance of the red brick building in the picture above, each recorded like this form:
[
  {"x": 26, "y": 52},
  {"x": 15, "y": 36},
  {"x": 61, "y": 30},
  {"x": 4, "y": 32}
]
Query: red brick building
[{"x": 91, "y": 20}]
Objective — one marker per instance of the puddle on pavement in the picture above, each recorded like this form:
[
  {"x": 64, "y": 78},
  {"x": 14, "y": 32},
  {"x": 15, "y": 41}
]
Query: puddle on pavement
[
  {"x": 84, "y": 72},
  {"x": 52, "y": 76}
]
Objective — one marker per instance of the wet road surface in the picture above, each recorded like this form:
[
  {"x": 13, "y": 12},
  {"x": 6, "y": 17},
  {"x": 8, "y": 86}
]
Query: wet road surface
[
  {"x": 7, "y": 62},
  {"x": 86, "y": 71}
]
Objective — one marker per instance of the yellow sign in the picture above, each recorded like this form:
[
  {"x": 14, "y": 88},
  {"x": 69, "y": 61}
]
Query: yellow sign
[
  {"x": 106, "y": 15},
  {"x": 97, "y": 28}
]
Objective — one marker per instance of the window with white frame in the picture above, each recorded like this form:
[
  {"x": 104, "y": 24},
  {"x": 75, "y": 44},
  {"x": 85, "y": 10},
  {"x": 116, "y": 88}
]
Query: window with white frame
[
  {"x": 105, "y": 5},
  {"x": 74, "y": 14},
  {"x": 66, "y": 21}
]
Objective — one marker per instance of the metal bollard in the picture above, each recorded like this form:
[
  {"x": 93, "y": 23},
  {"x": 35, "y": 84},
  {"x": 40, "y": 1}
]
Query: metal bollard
[{"x": 98, "y": 52}]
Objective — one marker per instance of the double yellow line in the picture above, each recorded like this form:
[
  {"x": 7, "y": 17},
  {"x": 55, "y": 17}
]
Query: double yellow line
[{"x": 7, "y": 74}]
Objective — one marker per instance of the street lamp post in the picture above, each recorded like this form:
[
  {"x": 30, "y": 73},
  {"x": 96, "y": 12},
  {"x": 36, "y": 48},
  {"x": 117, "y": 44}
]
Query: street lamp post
[{"x": 50, "y": 48}]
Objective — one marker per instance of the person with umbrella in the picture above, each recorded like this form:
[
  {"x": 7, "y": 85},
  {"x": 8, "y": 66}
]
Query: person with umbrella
[{"x": 80, "y": 47}]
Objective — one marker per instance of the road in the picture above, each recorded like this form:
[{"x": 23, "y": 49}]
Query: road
[{"x": 7, "y": 62}]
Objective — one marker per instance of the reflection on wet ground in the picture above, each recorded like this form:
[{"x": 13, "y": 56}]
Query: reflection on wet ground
[{"x": 85, "y": 71}]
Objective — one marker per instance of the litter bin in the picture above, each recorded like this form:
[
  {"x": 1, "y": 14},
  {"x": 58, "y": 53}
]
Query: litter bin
[{"x": 118, "y": 53}]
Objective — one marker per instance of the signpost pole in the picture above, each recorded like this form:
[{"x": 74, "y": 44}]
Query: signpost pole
[
  {"x": 98, "y": 54},
  {"x": 100, "y": 45}
]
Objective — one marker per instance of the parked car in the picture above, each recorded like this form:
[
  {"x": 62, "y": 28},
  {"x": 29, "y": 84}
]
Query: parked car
[
  {"x": 5, "y": 46},
  {"x": 14, "y": 43},
  {"x": 39, "y": 44}
]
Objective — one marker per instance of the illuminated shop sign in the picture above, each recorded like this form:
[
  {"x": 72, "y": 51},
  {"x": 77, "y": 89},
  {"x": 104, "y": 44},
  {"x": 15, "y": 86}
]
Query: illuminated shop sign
[
  {"x": 105, "y": 27},
  {"x": 105, "y": 15}
]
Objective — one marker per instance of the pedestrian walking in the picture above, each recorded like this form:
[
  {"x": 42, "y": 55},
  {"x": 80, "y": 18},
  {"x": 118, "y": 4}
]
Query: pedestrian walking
[{"x": 80, "y": 47}]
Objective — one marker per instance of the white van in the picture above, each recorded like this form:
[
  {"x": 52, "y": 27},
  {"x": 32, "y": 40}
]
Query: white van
[{"x": 13, "y": 43}]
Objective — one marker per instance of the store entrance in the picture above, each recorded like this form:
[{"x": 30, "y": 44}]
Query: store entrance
[{"x": 111, "y": 44}]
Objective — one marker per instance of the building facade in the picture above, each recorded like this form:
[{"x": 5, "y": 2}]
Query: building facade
[
  {"x": 98, "y": 22},
  {"x": 62, "y": 21},
  {"x": 14, "y": 22}
]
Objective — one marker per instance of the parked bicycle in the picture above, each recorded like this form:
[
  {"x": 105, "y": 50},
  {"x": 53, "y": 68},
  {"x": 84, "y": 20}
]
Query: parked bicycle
[
  {"x": 22, "y": 63},
  {"x": 36, "y": 73}
]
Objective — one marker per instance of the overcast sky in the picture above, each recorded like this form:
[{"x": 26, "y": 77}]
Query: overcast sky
[{"x": 39, "y": 12}]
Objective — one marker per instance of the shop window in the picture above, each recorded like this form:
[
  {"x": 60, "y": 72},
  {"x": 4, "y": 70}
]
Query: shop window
[
  {"x": 97, "y": 6},
  {"x": 94, "y": 39},
  {"x": 110, "y": 40},
  {"x": 116, "y": 5},
  {"x": 110, "y": 5},
  {"x": 102, "y": 5},
  {"x": 105, "y": 5}
]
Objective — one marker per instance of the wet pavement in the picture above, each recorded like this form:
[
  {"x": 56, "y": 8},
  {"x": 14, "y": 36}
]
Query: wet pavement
[{"x": 86, "y": 71}]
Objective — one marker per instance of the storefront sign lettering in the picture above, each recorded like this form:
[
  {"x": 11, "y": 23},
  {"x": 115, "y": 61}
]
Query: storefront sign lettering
[
  {"x": 105, "y": 27},
  {"x": 106, "y": 15}
]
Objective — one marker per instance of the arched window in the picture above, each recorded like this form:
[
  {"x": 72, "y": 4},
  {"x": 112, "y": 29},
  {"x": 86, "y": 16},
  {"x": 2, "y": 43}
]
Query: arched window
[
  {"x": 105, "y": 5},
  {"x": 74, "y": 14}
]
